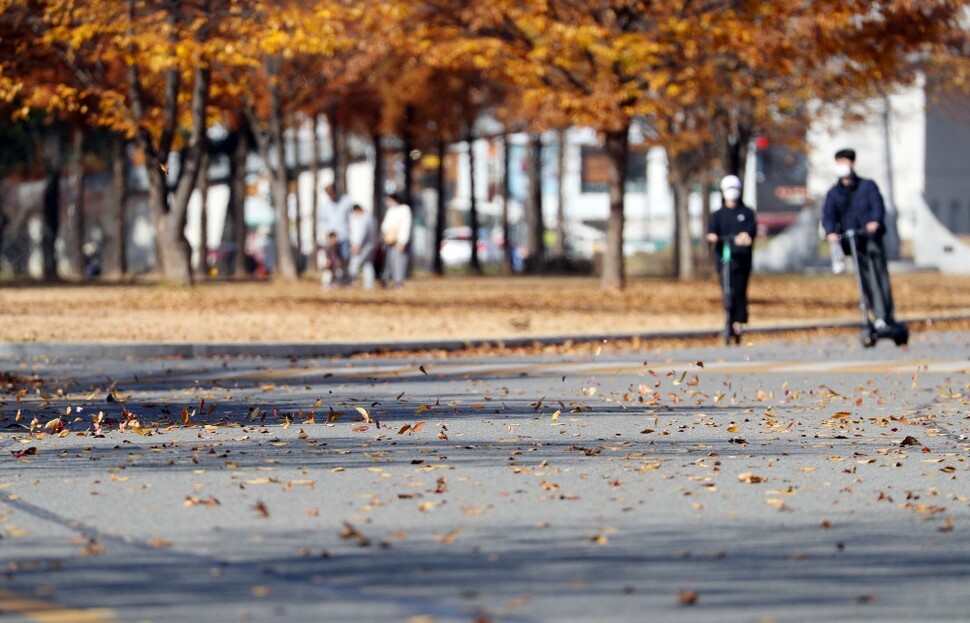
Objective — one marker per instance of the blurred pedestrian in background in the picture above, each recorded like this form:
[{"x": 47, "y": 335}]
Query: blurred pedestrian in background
[
  {"x": 363, "y": 242},
  {"x": 395, "y": 234},
  {"x": 336, "y": 219},
  {"x": 335, "y": 267}
]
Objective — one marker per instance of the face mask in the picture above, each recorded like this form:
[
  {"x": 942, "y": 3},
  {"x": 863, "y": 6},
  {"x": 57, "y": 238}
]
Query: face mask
[
  {"x": 843, "y": 170},
  {"x": 731, "y": 194}
]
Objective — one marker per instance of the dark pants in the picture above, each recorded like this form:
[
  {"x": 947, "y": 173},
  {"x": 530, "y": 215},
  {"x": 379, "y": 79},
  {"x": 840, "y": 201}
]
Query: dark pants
[
  {"x": 740, "y": 271},
  {"x": 875, "y": 278}
]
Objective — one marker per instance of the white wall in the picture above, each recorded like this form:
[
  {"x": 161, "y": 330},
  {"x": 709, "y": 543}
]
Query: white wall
[
  {"x": 649, "y": 215},
  {"x": 934, "y": 245},
  {"x": 906, "y": 133}
]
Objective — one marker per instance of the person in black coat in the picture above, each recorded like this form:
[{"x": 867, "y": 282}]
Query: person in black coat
[
  {"x": 734, "y": 224},
  {"x": 855, "y": 204}
]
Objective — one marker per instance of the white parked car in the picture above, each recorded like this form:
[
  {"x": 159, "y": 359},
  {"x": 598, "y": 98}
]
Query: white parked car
[{"x": 456, "y": 247}]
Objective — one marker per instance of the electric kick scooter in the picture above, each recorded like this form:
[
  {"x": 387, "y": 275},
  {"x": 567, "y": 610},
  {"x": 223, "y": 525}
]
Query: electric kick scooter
[
  {"x": 897, "y": 332},
  {"x": 727, "y": 289}
]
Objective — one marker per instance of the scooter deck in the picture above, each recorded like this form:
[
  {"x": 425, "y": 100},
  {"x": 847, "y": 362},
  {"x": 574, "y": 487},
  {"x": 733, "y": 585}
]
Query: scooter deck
[{"x": 897, "y": 332}]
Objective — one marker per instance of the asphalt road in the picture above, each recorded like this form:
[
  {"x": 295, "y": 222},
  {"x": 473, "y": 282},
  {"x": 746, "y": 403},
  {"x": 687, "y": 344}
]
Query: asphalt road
[{"x": 778, "y": 481}]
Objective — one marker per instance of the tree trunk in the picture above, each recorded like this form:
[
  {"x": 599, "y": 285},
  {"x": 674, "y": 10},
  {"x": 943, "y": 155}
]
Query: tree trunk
[
  {"x": 683, "y": 248},
  {"x": 709, "y": 185},
  {"x": 52, "y": 223},
  {"x": 891, "y": 239},
  {"x": 476, "y": 265},
  {"x": 441, "y": 212},
  {"x": 298, "y": 215},
  {"x": 114, "y": 263},
  {"x": 315, "y": 195},
  {"x": 285, "y": 254},
  {"x": 617, "y": 149},
  {"x": 202, "y": 267},
  {"x": 53, "y": 146},
  {"x": 74, "y": 213},
  {"x": 737, "y": 127},
  {"x": 736, "y": 154},
  {"x": 536, "y": 241},
  {"x": 379, "y": 178},
  {"x": 407, "y": 162},
  {"x": 237, "y": 197},
  {"x": 506, "y": 233},
  {"x": 178, "y": 267},
  {"x": 338, "y": 153},
  {"x": 559, "y": 252},
  {"x": 170, "y": 217},
  {"x": 172, "y": 249}
]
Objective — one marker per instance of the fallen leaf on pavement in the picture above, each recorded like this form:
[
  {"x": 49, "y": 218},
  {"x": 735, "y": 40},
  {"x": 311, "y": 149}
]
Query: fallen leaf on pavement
[
  {"x": 687, "y": 598},
  {"x": 751, "y": 479}
]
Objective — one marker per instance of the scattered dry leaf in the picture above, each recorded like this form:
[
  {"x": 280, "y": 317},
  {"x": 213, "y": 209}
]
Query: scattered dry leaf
[
  {"x": 687, "y": 598},
  {"x": 751, "y": 479}
]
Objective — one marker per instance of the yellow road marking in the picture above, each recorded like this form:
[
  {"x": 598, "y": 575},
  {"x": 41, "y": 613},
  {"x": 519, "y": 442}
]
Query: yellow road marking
[{"x": 47, "y": 612}]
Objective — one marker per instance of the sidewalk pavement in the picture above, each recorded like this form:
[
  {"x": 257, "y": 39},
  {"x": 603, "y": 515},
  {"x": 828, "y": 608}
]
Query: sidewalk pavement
[{"x": 791, "y": 480}]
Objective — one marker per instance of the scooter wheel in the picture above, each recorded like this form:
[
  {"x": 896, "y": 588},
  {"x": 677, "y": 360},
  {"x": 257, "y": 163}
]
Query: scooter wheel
[
  {"x": 869, "y": 339},
  {"x": 901, "y": 337}
]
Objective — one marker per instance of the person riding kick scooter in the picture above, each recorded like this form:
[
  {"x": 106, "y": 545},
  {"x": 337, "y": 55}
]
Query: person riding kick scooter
[
  {"x": 854, "y": 215},
  {"x": 731, "y": 232}
]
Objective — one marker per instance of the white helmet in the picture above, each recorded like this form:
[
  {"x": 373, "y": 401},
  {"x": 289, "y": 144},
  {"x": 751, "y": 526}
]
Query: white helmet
[
  {"x": 731, "y": 181},
  {"x": 731, "y": 188}
]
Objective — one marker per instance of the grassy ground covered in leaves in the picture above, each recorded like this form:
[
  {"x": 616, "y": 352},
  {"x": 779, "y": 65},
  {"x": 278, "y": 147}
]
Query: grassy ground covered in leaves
[{"x": 428, "y": 308}]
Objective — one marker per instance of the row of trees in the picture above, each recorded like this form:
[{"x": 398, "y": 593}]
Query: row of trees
[{"x": 700, "y": 77}]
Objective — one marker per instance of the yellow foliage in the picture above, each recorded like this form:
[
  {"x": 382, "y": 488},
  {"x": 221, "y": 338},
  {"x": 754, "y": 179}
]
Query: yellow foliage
[{"x": 551, "y": 61}]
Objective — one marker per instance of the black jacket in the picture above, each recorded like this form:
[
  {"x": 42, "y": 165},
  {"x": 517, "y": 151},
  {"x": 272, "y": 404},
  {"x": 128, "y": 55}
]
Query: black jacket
[{"x": 731, "y": 222}]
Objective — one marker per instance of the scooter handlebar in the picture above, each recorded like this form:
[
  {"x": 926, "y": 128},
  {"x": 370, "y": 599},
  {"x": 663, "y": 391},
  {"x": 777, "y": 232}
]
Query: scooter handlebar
[{"x": 726, "y": 238}]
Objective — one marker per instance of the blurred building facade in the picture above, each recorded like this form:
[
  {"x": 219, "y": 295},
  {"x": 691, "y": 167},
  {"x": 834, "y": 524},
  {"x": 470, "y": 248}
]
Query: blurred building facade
[{"x": 915, "y": 148}]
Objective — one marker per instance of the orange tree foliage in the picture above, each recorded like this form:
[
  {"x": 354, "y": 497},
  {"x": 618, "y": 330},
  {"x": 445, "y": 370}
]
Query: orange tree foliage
[
  {"x": 701, "y": 75},
  {"x": 603, "y": 65},
  {"x": 764, "y": 67},
  {"x": 145, "y": 68},
  {"x": 289, "y": 49},
  {"x": 124, "y": 65}
]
